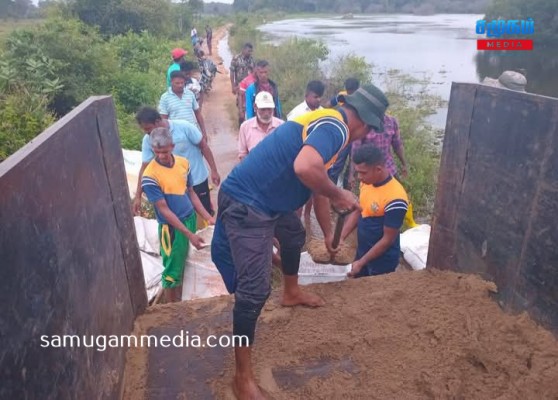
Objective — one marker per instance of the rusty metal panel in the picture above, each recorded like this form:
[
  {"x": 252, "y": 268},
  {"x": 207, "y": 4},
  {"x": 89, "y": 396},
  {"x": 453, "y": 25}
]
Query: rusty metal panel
[
  {"x": 70, "y": 262},
  {"x": 450, "y": 178},
  {"x": 496, "y": 209}
]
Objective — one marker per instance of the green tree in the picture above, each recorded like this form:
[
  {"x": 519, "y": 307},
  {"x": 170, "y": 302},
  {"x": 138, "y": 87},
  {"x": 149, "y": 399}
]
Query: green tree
[
  {"x": 78, "y": 55},
  {"x": 543, "y": 12},
  {"x": 120, "y": 16}
]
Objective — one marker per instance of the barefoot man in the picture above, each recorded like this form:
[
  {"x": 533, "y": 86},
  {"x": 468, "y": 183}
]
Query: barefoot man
[{"x": 258, "y": 200}]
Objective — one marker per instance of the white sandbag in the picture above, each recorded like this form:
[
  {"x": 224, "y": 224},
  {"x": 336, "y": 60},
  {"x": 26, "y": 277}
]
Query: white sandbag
[
  {"x": 414, "y": 246},
  {"x": 148, "y": 234},
  {"x": 152, "y": 271},
  {"x": 132, "y": 165},
  {"x": 311, "y": 272},
  {"x": 201, "y": 277},
  {"x": 152, "y": 264}
]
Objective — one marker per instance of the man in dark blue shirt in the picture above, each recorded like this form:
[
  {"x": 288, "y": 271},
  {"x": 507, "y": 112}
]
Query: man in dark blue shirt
[{"x": 258, "y": 200}]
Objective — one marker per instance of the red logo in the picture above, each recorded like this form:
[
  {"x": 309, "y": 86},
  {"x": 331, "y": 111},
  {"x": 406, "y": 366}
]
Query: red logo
[{"x": 505, "y": 44}]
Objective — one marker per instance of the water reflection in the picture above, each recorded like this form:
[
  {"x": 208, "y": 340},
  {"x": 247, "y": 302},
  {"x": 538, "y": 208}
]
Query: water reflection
[{"x": 540, "y": 66}]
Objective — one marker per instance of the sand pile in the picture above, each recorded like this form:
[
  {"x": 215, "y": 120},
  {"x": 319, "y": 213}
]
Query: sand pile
[{"x": 407, "y": 335}]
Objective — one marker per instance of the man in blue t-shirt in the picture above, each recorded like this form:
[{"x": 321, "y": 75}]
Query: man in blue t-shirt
[
  {"x": 258, "y": 201},
  {"x": 188, "y": 143}
]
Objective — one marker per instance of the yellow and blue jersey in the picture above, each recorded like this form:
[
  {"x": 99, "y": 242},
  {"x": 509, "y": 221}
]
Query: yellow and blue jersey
[
  {"x": 266, "y": 180},
  {"x": 169, "y": 183},
  {"x": 383, "y": 204}
]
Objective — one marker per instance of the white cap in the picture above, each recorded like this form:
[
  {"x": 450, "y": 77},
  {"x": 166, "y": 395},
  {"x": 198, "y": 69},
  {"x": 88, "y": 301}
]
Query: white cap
[{"x": 264, "y": 100}]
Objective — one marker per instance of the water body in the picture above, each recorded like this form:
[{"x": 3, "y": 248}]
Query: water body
[{"x": 441, "y": 48}]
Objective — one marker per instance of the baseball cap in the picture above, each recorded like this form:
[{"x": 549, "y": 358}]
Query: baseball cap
[
  {"x": 177, "y": 53},
  {"x": 370, "y": 103},
  {"x": 508, "y": 80},
  {"x": 264, "y": 100}
]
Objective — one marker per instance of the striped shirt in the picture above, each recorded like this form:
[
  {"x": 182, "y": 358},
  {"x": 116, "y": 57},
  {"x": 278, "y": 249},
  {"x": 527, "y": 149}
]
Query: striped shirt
[{"x": 176, "y": 107}]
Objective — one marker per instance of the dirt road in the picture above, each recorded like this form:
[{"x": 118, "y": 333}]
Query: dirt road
[{"x": 217, "y": 113}]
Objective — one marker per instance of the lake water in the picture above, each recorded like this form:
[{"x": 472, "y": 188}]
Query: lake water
[{"x": 440, "y": 47}]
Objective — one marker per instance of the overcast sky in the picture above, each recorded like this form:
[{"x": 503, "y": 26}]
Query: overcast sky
[{"x": 205, "y": 1}]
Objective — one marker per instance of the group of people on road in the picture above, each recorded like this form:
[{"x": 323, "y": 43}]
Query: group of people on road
[{"x": 283, "y": 163}]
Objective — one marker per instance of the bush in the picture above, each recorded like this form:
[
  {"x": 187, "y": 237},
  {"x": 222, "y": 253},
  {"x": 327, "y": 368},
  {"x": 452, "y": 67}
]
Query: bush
[
  {"x": 130, "y": 134},
  {"x": 22, "y": 117},
  {"x": 132, "y": 89},
  {"x": 347, "y": 66},
  {"x": 78, "y": 55}
]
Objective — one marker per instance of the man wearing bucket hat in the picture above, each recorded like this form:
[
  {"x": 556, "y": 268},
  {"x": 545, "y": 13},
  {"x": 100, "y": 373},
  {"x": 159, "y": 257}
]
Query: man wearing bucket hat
[
  {"x": 258, "y": 201},
  {"x": 508, "y": 80}
]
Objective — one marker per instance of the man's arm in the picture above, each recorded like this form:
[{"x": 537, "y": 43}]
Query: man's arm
[
  {"x": 173, "y": 220},
  {"x": 351, "y": 223},
  {"x": 232, "y": 72},
  {"x": 164, "y": 107},
  {"x": 278, "y": 105},
  {"x": 310, "y": 169},
  {"x": 397, "y": 144},
  {"x": 136, "y": 204},
  {"x": 208, "y": 155},
  {"x": 322, "y": 209},
  {"x": 201, "y": 122},
  {"x": 241, "y": 102},
  {"x": 249, "y": 107},
  {"x": 381, "y": 246},
  {"x": 401, "y": 155},
  {"x": 242, "y": 145}
]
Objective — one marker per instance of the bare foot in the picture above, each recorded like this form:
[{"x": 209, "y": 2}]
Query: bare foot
[
  {"x": 247, "y": 389},
  {"x": 300, "y": 298}
]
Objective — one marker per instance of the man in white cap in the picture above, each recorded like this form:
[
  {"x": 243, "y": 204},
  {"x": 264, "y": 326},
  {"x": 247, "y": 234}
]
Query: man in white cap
[
  {"x": 508, "y": 80},
  {"x": 255, "y": 129}
]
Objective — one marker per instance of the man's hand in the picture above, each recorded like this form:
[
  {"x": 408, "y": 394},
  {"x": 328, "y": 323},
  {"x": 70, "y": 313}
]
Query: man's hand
[
  {"x": 197, "y": 241},
  {"x": 215, "y": 178},
  {"x": 329, "y": 245},
  {"x": 404, "y": 171},
  {"x": 355, "y": 268},
  {"x": 345, "y": 202},
  {"x": 136, "y": 205},
  {"x": 211, "y": 221}
]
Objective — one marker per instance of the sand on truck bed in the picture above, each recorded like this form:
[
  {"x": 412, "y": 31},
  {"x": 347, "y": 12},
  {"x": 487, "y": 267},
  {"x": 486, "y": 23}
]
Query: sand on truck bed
[{"x": 407, "y": 335}]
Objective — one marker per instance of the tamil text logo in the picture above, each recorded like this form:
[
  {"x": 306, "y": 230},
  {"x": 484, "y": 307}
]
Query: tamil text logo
[{"x": 497, "y": 28}]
